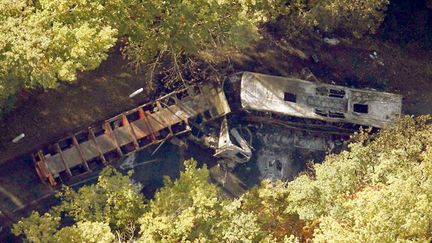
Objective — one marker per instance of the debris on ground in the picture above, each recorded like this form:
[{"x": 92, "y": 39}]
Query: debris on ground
[
  {"x": 18, "y": 138},
  {"x": 331, "y": 41}
]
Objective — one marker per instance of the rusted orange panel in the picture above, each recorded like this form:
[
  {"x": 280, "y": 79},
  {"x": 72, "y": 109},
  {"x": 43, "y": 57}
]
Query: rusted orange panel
[
  {"x": 42, "y": 165},
  {"x": 126, "y": 124}
]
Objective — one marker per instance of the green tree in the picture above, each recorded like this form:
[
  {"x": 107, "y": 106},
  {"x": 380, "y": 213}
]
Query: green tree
[
  {"x": 299, "y": 16},
  {"x": 91, "y": 232},
  {"x": 43, "y": 42},
  {"x": 112, "y": 206},
  {"x": 37, "y": 228},
  {"x": 115, "y": 200},
  {"x": 268, "y": 203},
  {"x": 378, "y": 191},
  {"x": 39, "y": 46},
  {"x": 191, "y": 209}
]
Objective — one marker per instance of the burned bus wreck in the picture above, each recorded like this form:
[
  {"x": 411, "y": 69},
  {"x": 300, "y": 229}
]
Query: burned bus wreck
[
  {"x": 305, "y": 99},
  {"x": 296, "y": 121},
  {"x": 201, "y": 113}
]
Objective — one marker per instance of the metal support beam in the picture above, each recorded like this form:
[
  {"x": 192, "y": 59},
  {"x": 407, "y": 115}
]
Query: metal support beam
[
  {"x": 143, "y": 116},
  {"x": 63, "y": 160},
  {"x": 132, "y": 134},
  {"x": 109, "y": 130},
  {"x": 44, "y": 168},
  {"x": 84, "y": 162},
  {"x": 102, "y": 157}
]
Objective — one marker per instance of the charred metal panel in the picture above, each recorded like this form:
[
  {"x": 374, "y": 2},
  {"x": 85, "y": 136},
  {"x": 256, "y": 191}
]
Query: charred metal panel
[{"x": 268, "y": 93}]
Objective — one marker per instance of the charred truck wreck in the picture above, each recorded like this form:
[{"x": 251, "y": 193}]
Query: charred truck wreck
[{"x": 201, "y": 114}]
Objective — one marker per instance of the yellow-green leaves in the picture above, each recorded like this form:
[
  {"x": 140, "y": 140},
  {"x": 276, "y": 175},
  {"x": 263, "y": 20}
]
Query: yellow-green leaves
[
  {"x": 350, "y": 17},
  {"x": 91, "y": 232},
  {"x": 38, "y": 228},
  {"x": 183, "y": 209},
  {"x": 379, "y": 191},
  {"x": 40, "y": 45},
  {"x": 190, "y": 27},
  {"x": 114, "y": 200},
  {"x": 49, "y": 41}
]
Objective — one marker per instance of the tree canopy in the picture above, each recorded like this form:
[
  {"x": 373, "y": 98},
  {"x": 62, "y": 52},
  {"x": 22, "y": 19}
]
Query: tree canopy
[
  {"x": 378, "y": 191},
  {"x": 299, "y": 16},
  {"x": 43, "y": 42}
]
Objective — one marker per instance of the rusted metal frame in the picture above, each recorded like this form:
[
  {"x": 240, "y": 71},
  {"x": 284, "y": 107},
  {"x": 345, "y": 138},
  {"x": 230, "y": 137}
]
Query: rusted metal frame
[
  {"x": 148, "y": 103},
  {"x": 115, "y": 118},
  {"x": 40, "y": 173},
  {"x": 131, "y": 131},
  {"x": 109, "y": 130},
  {"x": 148, "y": 125},
  {"x": 170, "y": 134},
  {"x": 49, "y": 174},
  {"x": 171, "y": 94},
  {"x": 63, "y": 160},
  {"x": 183, "y": 132},
  {"x": 101, "y": 155},
  {"x": 84, "y": 162}
]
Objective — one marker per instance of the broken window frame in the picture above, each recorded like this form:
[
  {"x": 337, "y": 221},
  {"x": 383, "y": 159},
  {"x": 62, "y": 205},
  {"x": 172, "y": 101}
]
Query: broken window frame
[
  {"x": 290, "y": 97},
  {"x": 339, "y": 115},
  {"x": 337, "y": 93},
  {"x": 361, "y": 108},
  {"x": 321, "y": 113}
]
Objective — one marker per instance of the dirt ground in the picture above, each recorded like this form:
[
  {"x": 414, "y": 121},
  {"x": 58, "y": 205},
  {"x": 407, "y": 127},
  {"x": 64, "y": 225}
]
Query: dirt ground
[{"x": 45, "y": 116}]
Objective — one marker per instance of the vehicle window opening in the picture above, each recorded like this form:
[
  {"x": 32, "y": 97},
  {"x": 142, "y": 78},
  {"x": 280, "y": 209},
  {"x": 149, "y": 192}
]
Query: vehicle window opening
[
  {"x": 337, "y": 93},
  {"x": 321, "y": 113},
  {"x": 336, "y": 115},
  {"x": 290, "y": 97},
  {"x": 361, "y": 108},
  {"x": 241, "y": 156},
  {"x": 278, "y": 165}
]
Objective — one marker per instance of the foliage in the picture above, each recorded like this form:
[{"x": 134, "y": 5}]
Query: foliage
[
  {"x": 183, "y": 209},
  {"x": 114, "y": 204},
  {"x": 191, "y": 26},
  {"x": 44, "y": 41},
  {"x": 37, "y": 228},
  {"x": 268, "y": 203},
  {"x": 190, "y": 209},
  {"x": 92, "y": 232},
  {"x": 350, "y": 17},
  {"x": 379, "y": 191},
  {"x": 114, "y": 200},
  {"x": 40, "y": 45}
]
